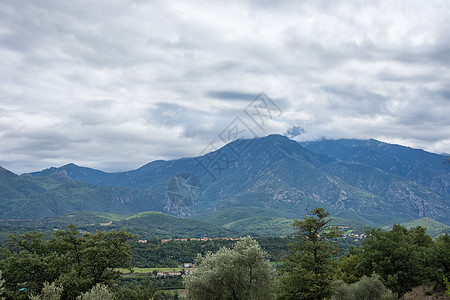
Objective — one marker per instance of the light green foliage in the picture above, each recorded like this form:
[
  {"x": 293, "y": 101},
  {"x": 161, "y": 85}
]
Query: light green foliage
[
  {"x": 447, "y": 286},
  {"x": 73, "y": 260},
  {"x": 308, "y": 272},
  {"x": 2, "y": 281},
  {"x": 98, "y": 292},
  {"x": 239, "y": 273},
  {"x": 368, "y": 288},
  {"x": 49, "y": 292},
  {"x": 403, "y": 258}
]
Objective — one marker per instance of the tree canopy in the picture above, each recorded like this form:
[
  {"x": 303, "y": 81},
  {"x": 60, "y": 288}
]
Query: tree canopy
[
  {"x": 70, "y": 259},
  {"x": 240, "y": 273},
  {"x": 308, "y": 272}
]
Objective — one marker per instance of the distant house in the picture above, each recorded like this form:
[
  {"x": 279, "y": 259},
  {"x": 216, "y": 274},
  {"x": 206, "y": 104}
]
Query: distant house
[{"x": 142, "y": 241}]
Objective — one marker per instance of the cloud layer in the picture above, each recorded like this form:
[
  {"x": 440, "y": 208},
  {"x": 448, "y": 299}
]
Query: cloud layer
[{"x": 114, "y": 85}]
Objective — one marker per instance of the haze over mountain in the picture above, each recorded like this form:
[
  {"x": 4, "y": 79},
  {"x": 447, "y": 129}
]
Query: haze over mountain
[{"x": 271, "y": 172}]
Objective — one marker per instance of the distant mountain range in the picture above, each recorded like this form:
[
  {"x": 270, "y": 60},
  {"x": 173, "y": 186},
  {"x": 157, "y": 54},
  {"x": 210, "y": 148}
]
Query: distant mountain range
[{"x": 362, "y": 180}]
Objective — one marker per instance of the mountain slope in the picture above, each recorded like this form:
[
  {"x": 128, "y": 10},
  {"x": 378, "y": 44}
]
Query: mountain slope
[
  {"x": 424, "y": 168},
  {"x": 146, "y": 225},
  {"x": 434, "y": 228},
  {"x": 72, "y": 172},
  {"x": 28, "y": 197},
  {"x": 276, "y": 173}
]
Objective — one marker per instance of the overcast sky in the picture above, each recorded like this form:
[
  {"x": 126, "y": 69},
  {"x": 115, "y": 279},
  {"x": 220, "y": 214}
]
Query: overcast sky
[{"x": 113, "y": 85}]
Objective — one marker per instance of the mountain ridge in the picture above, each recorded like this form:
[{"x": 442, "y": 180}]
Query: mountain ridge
[{"x": 279, "y": 174}]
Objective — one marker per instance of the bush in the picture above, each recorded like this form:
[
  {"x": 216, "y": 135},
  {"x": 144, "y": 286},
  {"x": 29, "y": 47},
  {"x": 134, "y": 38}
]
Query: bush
[
  {"x": 98, "y": 292},
  {"x": 49, "y": 292},
  {"x": 367, "y": 288}
]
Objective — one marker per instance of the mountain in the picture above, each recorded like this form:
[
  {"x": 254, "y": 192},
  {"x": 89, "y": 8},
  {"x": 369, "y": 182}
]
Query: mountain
[
  {"x": 30, "y": 197},
  {"x": 424, "y": 168},
  {"x": 72, "y": 172},
  {"x": 266, "y": 222},
  {"x": 281, "y": 175}
]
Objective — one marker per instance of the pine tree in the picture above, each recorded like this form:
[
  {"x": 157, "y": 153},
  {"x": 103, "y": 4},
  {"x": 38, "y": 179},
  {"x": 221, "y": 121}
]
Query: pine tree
[{"x": 308, "y": 272}]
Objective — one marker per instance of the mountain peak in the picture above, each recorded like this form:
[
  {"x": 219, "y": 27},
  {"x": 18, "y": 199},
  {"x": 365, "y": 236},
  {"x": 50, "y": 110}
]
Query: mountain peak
[{"x": 6, "y": 173}]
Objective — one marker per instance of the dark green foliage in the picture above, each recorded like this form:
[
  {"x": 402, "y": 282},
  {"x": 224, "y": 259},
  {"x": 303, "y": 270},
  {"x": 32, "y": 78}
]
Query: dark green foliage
[
  {"x": 308, "y": 272},
  {"x": 402, "y": 257},
  {"x": 137, "y": 292},
  {"x": 69, "y": 258},
  {"x": 441, "y": 258},
  {"x": 347, "y": 269}
]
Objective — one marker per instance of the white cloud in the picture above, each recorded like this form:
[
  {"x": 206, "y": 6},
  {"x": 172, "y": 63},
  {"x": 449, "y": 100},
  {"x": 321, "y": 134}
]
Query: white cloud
[{"x": 113, "y": 85}]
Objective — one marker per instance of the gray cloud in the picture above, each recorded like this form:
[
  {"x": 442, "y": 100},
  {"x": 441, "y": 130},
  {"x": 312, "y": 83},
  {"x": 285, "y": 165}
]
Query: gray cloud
[
  {"x": 231, "y": 95},
  {"x": 113, "y": 85}
]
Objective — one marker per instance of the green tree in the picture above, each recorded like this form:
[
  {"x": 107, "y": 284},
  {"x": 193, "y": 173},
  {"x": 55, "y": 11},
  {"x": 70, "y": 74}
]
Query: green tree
[
  {"x": 347, "y": 269},
  {"x": 242, "y": 273},
  {"x": 98, "y": 292},
  {"x": 400, "y": 256},
  {"x": 447, "y": 286},
  {"x": 49, "y": 292},
  {"x": 73, "y": 260},
  {"x": 367, "y": 288},
  {"x": 2, "y": 281},
  {"x": 441, "y": 258},
  {"x": 308, "y": 272}
]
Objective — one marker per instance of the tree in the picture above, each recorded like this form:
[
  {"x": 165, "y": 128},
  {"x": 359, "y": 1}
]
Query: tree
[
  {"x": 367, "y": 288},
  {"x": 441, "y": 257},
  {"x": 73, "y": 260},
  {"x": 308, "y": 272},
  {"x": 400, "y": 256},
  {"x": 347, "y": 269},
  {"x": 49, "y": 292},
  {"x": 239, "y": 273},
  {"x": 98, "y": 292},
  {"x": 2, "y": 281}
]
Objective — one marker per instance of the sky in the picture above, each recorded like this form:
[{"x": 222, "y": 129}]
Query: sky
[{"x": 113, "y": 85}]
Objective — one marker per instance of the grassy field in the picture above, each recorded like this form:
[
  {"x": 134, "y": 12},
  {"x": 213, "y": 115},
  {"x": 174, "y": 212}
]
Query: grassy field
[{"x": 148, "y": 270}]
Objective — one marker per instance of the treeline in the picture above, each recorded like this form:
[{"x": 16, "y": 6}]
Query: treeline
[
  {"x": 386, "y": 266},
  {"x": 402, "y": 258},
  {"x": 315, "y": 264},
  {"x": 154, "y": 253}
]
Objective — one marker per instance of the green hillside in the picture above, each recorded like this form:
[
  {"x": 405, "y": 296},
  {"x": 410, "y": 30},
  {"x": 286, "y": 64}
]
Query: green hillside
[
  {"x": 434, "y": 228},
  {"x": 146, "y": 225},
  {"x": 230, "y": 215},
  {"x": 262, "y": 226}
]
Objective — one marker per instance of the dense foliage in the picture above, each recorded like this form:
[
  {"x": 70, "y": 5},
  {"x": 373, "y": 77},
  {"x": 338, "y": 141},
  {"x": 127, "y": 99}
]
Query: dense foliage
[
  {"x": 73, "y": 260},
  {"x": 242, "y": 272},
  {"x": 403, "y": 258},
  {"x": 308, "y": 272},
  {"x": 366, "y": 288},
  {"x": 71, "y": 263}
]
